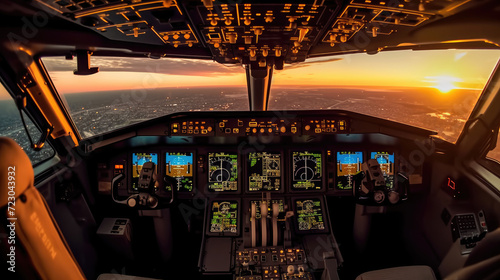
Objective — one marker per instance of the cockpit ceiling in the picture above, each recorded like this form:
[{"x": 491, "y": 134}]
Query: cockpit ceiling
[{"x": 260, "y": 32}]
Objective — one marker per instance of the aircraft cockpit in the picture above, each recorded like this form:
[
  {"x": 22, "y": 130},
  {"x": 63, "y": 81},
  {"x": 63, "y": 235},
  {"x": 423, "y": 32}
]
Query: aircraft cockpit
[{"x": 249, "y": 140}]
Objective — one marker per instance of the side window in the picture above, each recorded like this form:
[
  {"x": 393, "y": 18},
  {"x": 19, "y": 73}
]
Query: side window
[
  {"x": 11, "y": 126},
  {"x": 495, "y": 153}
]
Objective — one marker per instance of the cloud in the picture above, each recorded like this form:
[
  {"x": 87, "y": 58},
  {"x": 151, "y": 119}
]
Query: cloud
[{"x": 171, "y": 66}]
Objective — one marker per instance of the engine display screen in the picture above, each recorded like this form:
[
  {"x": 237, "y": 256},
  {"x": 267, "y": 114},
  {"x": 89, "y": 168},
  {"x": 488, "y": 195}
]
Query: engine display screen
[
  {"x": 264, "y": 171},
  {"x": 222, "y": 172},
  {"x": 307, "y": 171},
  {"x": 138, "y": 160},
  {"x": 224, "y": 217},
  {"x": 309, "y": 215},
  {"x": 348, "y": 165},
  {"x": 180, "y": 167},
  {"x": 386, "y": 161},
  {"x": 269, "y": 207}
]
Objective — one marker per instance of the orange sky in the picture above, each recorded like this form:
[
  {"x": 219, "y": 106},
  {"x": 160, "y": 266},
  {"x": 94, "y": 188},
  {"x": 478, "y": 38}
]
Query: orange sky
[{"x": 444, "y": 69}]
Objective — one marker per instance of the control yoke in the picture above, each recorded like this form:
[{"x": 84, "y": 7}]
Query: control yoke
[
  {"x": 370, "y": 186},
  {"x": 147, "y": 185}
]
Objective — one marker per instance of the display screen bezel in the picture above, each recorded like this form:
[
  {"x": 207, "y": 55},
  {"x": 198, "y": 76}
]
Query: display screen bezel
[
  {"x": 238, "y": 172},
  {"x": 194, "y": 171},
  {"x": 291, "y": 175},
  {"x": 246, "y": 164},
  {"x": 325, "y": 215},
  {"x": 210, "y": 217}
]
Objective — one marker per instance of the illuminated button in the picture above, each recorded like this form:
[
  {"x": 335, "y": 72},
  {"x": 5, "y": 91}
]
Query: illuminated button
[
  {"x": 174, "y": 130},
  {"x": 184, "y": 131},
  {"x": 252, "y": 124},
  {"x": 209, "y": 128},
  {"x": 184, "y": 127},
  {"x": 236, "y": 130},
  {"x": 270, "y": 130},
  {"x": 175, "y": 125},
  {"x": 191, "y": 127},
  {"x": 196, "y": 122},
  {"x": 307, "y": 127},
  {"x": 222, "y": 124},
  {"x": 317, "y": 130},
  {"x": 203, "y": 131},
  {"x": 196, "y": 127},
  {"x": 283, "y": 129},
  {"x": 254, "y": 130},
  {"x": 190, "y": 131},
  {"x": 184, "y": 123},
  {"x": 262, "y": 130},
  {"x": 294, "y": 129}
]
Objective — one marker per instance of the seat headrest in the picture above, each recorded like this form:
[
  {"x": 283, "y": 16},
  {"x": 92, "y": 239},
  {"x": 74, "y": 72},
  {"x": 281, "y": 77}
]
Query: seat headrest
[{"x": 16, "y": 172}]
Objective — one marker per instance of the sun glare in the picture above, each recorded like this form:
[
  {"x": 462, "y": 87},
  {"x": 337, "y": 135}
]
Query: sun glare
[{"x": 444, "y": 83}]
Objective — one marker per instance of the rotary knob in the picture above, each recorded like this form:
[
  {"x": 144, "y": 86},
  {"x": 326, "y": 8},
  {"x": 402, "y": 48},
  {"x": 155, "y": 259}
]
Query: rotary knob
[
  {"x": 379, "y": 196},
  {"x": 393, "y": 197},
  {"x": 152, "y": 202},
  {"x": 132, "y": 202}
]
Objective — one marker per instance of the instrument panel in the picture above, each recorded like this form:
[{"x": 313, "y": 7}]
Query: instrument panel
[{"x": 225, "y": 171}]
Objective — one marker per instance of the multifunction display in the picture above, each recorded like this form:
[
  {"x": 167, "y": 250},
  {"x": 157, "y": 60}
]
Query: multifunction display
[
  {"x": 348, "y": 165},
  {"x": 309, "y": 215},
  {"x": 224, "y": 217},
  {"x": 138, "y": 160},
  {"x": 179, "y": 166},
  {"x": 386, "y": 161},
  {"x": 222, "y": 172},
  {"x": 264, "y": 171},
  {"x": 307, "y": 171}
]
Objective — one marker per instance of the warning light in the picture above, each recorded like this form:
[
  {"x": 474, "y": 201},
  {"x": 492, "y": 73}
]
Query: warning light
[
  {"x": 118, "y": 166},
  {"x": 451, "y": 184}
]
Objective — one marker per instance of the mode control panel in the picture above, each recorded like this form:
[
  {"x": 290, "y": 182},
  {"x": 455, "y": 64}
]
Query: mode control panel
[
  {"x": 193, "y": 127},
  {"x": 282, "y": 125}
]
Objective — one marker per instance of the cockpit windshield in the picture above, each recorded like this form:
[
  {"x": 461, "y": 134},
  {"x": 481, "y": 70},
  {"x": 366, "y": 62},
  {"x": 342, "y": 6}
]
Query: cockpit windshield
[{"x": 434, "y": 89}]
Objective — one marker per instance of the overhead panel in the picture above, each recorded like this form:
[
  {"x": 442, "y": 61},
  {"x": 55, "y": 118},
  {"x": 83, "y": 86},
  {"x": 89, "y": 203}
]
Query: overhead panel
[
  {"x": 261, "y": 30},
  {"x": 384, "y": 17},
  {"x": 147, "y": 22}
]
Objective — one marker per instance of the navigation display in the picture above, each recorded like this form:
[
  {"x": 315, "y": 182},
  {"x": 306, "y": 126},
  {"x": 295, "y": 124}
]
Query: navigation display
[
  {"x": 307, "y": 171},
  {"x": 224, "y": 217},
  {"x": 386, "y": 161},
  {"x": 264, "y": 171},
  {"x": 309, "y": 215},
  {"x": 138, "y": 160},
  {"x": 222, "y": 172},
  {"x": 180, "y": 167},
  {"x": 269, "y": 207},
  {"x": 348, "y": 165}
]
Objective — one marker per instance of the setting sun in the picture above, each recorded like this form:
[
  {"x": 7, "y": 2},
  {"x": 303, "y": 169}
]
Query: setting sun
[{"x": 444, "y": 83}]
